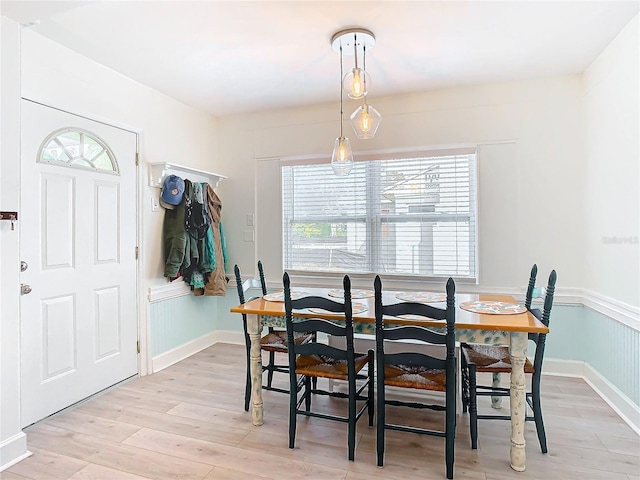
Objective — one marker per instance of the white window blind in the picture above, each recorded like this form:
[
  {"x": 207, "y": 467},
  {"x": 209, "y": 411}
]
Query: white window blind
[{"x": 396, "y": 216}]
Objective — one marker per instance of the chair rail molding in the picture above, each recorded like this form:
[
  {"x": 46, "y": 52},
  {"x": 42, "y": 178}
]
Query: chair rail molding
[
  {"x": 177, "y": 288},
  {"x": 612, "y": 308}
]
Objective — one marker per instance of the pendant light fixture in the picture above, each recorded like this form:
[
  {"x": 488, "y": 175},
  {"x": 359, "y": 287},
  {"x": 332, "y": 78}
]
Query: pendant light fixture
[
  {"x": 365, "y": 120},
  {"x": 342, "y": 157}
]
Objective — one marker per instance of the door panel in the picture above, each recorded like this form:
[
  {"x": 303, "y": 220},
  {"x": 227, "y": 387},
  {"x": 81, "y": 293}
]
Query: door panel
[{"x": 78, "y": 234}]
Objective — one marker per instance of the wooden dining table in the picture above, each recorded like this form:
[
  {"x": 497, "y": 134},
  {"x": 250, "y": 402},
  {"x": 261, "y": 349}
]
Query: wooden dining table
[{"x": 511, "y": 329}]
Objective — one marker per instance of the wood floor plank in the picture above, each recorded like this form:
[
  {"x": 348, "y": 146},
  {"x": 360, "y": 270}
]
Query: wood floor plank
[
  {"x": 96, "y": 426},
  {"x": 115, "y": 455},
  {"x": 99, "y": 472},
  {"x": 219, "y": 473},
  {"x": 230, "y": 457},
  {"x": 46, "y": 464},
  {"x": 201, "y": 427},
  {"x": 187, "y": 422}
]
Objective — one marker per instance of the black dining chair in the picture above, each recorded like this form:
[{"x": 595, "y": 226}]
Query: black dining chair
[
  {"x": 272, "y": 342},
  {"x": 495, "y": 359},
  {"x": 416, "y": 370},
  {"x": 316, "y": 360}
]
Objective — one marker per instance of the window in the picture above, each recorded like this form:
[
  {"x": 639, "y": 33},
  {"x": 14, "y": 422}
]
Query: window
[
  {"x": 403, "y": 215},
  {"x": 74, "y": 147}
]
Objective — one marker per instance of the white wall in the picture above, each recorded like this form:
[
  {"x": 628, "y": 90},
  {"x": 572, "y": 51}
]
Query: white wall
[
  {"x": 168, "y": 132},
  {"x": 531, "y": 169},
  {"x": 13, "y": 443},
  {"x": 612, "y": 169}
]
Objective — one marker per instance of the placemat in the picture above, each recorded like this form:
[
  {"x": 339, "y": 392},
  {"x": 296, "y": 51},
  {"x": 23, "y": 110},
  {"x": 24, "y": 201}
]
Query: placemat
[
  {"x": 495, "y": 308},
  {"x": 279, "y": 296},
  {"x": 355, "y": 308},
  {"x": 355, "y": 293},
  {"x": 421, "y": 297}
]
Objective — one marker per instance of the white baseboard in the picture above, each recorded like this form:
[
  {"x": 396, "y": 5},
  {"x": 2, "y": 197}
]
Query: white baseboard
[
  {"x": 13, "y": 450},
  {"x": 621, "y": 404}
]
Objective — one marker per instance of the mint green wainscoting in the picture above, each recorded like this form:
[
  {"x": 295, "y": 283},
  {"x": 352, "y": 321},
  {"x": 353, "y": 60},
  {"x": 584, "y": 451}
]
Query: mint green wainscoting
[
  {"x": 177, "y": 321},
  {"x": 610, "y": 347}
]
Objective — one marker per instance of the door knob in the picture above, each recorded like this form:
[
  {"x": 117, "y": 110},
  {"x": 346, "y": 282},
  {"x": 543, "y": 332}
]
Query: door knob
[
  {"x": 25, "y": 289},
  {"x": 23, "y": 266}
]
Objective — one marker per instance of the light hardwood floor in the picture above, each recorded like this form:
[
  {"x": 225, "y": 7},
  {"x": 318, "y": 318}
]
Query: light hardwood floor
[{"x": 187, "y": 422}]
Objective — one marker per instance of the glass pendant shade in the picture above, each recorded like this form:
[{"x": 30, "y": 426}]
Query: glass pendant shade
[
  {"x": 356, "y": 83},
  {"x": 342, "y": 157},
  {"x": 365, "y": 121}
]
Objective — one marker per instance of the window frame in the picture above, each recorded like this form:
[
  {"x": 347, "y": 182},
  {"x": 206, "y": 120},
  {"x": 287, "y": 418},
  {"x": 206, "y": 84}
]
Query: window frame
[{"x": 377, "y": 220}]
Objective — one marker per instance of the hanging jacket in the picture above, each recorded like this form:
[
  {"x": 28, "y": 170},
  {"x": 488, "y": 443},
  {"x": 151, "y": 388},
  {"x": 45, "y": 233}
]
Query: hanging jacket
[
  {"x": 217, "y": 281},
  {"x": 174, "y": 240}
]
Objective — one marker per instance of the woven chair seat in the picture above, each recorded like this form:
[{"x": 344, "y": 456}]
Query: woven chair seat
[
  {"x": 276, "y": 341},
  {"x": 321, "y": 366},
  {"x": 415, "y": 377},
  {"x": 491, "y": 358}
]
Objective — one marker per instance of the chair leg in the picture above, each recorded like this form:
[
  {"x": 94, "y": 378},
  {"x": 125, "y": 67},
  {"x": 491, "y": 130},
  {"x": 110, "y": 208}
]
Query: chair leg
[
  {"x": 247, "y": 342},
  {"x": 247, "y": 390},
  {"x": 293, "y": 405},
  {"x": 473, "y": 406},
  {"x": 380, "y": 422},
  {"x": 351, "y": 420},
  {"x": 450, "y": 430},
  {"x": 537, "y": 415},
  {"x": 307, "y": 393},
  {"x": 272, "y": 362},
  {"x": 370, "y": 403}
]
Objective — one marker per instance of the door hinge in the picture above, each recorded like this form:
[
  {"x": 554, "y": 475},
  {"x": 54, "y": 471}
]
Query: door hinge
[
  {"x": 137, "y": 159},
  {"x": 137, "y": 253},
  {"x": 138, "y": 347}
]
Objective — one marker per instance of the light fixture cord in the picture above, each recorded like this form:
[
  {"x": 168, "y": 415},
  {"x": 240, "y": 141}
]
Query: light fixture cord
[
  {"x": 364, "y": 71},
  {"x": 341, "y": 91},
  {"x": 355, "y": 47}
]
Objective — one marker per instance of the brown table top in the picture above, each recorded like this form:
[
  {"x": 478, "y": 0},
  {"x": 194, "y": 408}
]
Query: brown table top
[{"x": 522, "y": 322}]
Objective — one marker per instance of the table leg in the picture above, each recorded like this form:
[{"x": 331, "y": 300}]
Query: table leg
[
  {"x": 518, "y": 351},
  {"x": 254, "y": 326}
]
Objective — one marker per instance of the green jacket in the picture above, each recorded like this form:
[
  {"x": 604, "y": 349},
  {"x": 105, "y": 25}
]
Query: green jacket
[{"x": 175, "y": 241}]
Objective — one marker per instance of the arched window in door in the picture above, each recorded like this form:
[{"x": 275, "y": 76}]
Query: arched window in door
[{"x": 75, "y": 147}]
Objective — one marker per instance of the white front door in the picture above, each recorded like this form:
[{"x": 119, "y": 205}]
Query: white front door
[{"x": 78, "y": 238}]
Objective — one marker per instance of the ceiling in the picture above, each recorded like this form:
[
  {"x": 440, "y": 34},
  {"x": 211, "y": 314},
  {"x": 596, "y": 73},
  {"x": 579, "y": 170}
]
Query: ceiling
[{"x": 228, "y": 57}]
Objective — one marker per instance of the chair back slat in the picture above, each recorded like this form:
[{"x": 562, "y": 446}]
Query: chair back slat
[
  {"x": 318, "y": 325},
  {"x": 322, "y": 349},
  {"x": 409, "y": 332},
  {"x": 414, "y": 308},
  {"x": 415, "y": 359}
]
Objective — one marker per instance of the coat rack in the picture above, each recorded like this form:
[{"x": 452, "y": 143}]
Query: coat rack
[{"x": 159, "y": 171}]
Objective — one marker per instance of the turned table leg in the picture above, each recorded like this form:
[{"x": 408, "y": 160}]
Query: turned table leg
[
  {"x": 254, "y": 328},
  {"x": 518, "y": 351}
]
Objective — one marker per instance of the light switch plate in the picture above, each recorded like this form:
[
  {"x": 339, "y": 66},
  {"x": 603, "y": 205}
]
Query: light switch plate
[
  {"x": 155, "y": 204},
  {"x": 250, "y": 220}
]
